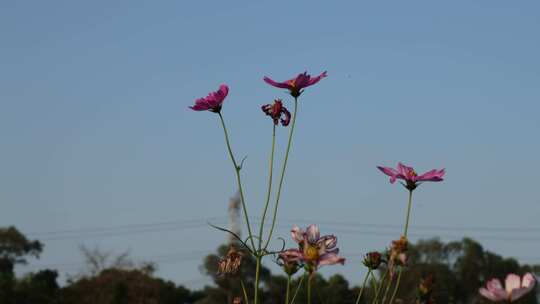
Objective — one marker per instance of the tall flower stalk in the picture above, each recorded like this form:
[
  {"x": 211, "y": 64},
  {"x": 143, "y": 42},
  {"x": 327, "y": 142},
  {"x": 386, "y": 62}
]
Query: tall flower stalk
[
  {"x": 405, "y": 230},
  {"x": 282, "y": 175},
  {"x": 213, "y": 102},
  {"x": 410, "y": 180},
  {"x": 313, "y": 249},
  {"x": 363, "y": 287},
  {"x": 237, "y": 169}
]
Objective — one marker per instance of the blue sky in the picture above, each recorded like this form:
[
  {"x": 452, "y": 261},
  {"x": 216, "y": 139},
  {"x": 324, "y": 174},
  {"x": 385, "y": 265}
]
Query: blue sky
[{"x": 95, "y": 130}]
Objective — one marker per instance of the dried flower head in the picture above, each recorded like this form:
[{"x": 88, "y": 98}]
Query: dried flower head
[
  {"x": 373, "y": 260},
  {"x": 277, "y": 112},
  {"x": 230, "y": 264},
  {"x": 397, "y": 254},
  {"x": 424, "y": 293},
  {"x": 237, "y": 300}
]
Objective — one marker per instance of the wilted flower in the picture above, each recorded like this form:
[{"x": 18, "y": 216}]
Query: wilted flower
[
  {"x": 411, "y": 178},
  {"x": 425, "y": 290},
  {"x": 230, "y": 264},
  {"x": 276, "y": 111},
  {"x": 515, "y": 288},
  {"x": 288, "y": 261},
  {"x": 237, "y": 300},
  {"x": 314, "y": 250},
  {"x": 296, "y": 84},
  {"x": 372, "y": 260},
  {"x": 397, "y": 254},
  {"x": 213, "y": 101}
]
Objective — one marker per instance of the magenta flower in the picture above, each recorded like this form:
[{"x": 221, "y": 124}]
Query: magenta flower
[
  {"x": 296, "y": 85},
  {"x": 411, "y": 178},
  {"x": 276, "y": 111},
  {"x": 314, "y": 250},
  {"x": 213, "y": 101},
  {"x": 515, "y": 289}
]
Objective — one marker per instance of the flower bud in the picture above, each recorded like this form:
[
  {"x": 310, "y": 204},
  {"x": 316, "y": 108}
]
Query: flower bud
[{"x": 372, "y": 260}]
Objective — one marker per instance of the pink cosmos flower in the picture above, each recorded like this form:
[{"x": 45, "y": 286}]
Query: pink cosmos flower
[
  {"x": 213, "y": 101},
  {"x": 296, "y": 84},
  {"x": 314, "y": 250},
  {"x": 411, "y": 178},
  {"x": 516, "y": 288},
  {"x": 276, "y": 111}
]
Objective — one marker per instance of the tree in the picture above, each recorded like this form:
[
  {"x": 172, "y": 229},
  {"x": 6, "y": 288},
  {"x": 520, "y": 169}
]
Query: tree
[
  {"x": 459, "y": 268},
  {"x": 38, "y": 288},
  {"x": 14, "y": 249}
]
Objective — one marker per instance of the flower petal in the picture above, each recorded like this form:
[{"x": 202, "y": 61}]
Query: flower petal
[
  {"x": 312, "y": 234},
  {"x": 528, "y": 280},
  {"x": 331, "y": 259},
  {"x": 388, "y": 171},
  {"x": 513, "y": 281},
  {"x": 432, "y": 176},
  {"x": 328, "y": 241},
  {"x": 314, "y": 80},
  {"x": 404, "y": 170},
  {"x": 527, "y": 285},
  {"x": 490, "y": 295},
  {"x": 495, "y": 287},
  {"x": 494, "y": 284},
  {"x": 297, "y": 234},
  {"x": 291, "y": 255},
  {"x": 276, "y": 84},
  {"x": 223, "y": 91}
]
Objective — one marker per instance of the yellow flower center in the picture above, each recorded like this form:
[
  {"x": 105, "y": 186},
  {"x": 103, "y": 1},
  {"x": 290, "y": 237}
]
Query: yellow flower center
[
  {"x": 291, "y": 83},
  {"x": 311, "y": 253}
]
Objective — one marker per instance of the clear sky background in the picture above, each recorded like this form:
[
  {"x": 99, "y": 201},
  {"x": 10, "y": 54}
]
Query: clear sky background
[{"x": 95, "y": 130}]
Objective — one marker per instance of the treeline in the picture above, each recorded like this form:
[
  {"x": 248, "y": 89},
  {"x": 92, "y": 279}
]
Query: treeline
[{"x": 457, "y": 269}]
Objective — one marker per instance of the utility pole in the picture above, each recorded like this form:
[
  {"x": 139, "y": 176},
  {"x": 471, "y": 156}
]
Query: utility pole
[{"x": 234, "y": 217}]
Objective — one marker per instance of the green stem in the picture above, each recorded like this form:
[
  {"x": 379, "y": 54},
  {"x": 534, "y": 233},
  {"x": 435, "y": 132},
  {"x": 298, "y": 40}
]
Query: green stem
[
  {"x": 309, "y": 289},
  {"x": 268, "y": 194},
  {"x": 257, "y": 278},
  {"x": 363, "y": 287},
  {"x": 278, "y": 195},
  {"x": 397, "y": 286},
  {"x": 297, "y": 289},
  {"x": 409, "y": 205},
  {"x": 378, "y": 291},
  {"x": 246, "y": 299},
  {"x": 387, "y": 290},
  {"x": 374, "y": 278},
  {"x": 238, "y": 180},
  {"x": 288, "y": 289}
]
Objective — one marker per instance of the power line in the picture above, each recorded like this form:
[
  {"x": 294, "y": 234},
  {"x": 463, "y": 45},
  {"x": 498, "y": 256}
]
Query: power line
[
  {"x": 350, "y": 227},
  {"x": 419, "y": 227},
  {"x": 125, "y": 227},
  {"x": 340, "y": 223},
  {"x": 159, "y": 259}
]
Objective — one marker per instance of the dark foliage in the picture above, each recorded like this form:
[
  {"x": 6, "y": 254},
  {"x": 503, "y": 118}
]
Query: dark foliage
[{"x": 455, "y": 270}]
